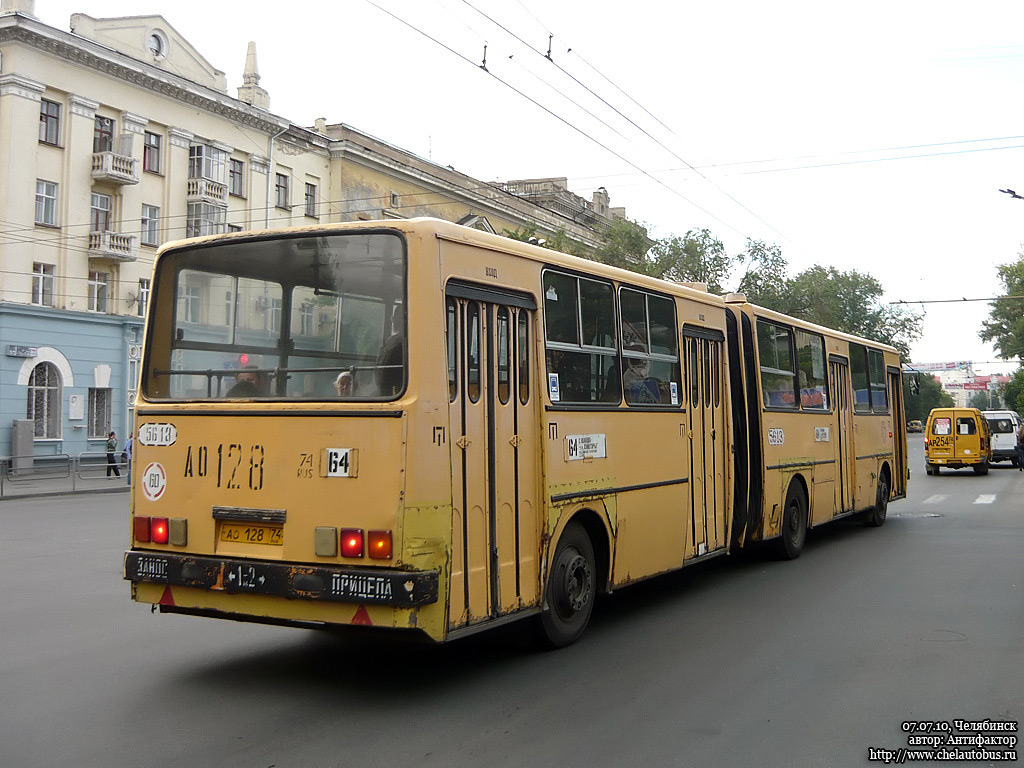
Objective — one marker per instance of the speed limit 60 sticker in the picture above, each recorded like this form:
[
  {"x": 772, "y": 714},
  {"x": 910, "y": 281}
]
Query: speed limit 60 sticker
[{"x": 154, "y": 481}]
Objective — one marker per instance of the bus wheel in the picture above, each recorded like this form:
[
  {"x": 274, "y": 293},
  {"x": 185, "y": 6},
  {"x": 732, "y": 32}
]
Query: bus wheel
[
  {"x": 572, "y": 588},
  {"x": 875, "y": 517},
  {"x": 981, "y": 469},
  {"x": 794, "y": 524}
]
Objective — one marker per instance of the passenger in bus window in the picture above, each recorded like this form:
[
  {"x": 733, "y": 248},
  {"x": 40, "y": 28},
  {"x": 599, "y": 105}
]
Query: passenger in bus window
[
  {"x": 249, "y": 382},
  {"x": 344, "y": 385}
]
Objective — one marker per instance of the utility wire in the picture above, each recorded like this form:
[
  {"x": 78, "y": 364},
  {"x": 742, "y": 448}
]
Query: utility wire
[
  {"x": 557, "y": 117},
  {"x": 955, "y": 301},
  {"x": 633, "y": 123}
]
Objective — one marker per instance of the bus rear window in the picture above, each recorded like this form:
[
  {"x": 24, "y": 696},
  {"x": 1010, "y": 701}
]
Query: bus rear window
[{"x": 295, "y": 318}]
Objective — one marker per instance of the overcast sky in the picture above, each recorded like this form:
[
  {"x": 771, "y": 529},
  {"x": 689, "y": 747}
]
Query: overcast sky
[{"x": 871, "y": 136}]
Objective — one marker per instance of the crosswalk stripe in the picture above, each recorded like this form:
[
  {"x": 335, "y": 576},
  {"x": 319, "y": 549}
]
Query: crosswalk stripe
[
  {"x": 985, "y": 498},
  {"x": 936, "y": 498}
]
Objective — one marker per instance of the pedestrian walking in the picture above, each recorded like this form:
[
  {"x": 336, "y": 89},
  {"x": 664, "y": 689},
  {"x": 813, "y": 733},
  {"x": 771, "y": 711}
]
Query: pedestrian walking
[
  {"x": 111, "y": 458},
  {"x": 1020, "y": 448}
]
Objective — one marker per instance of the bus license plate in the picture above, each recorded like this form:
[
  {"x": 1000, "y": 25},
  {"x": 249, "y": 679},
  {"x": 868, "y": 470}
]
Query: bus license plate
[{"x": 244, "y": 533}]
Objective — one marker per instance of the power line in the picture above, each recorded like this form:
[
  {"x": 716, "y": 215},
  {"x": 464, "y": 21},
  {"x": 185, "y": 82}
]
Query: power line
[
  {"x": 955, "y": 301},
  {"x": 634, "y": 124},
  {"x": 556, "y": 116}
]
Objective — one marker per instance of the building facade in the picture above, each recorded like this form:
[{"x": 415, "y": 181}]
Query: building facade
[{"x": 120, "y": 136}]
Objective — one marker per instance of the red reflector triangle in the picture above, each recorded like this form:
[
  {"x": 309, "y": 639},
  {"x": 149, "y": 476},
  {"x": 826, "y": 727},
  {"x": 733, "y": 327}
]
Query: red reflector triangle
[
  {"x": 167, "y": 598},
  {"x": 362, "y": 617}
]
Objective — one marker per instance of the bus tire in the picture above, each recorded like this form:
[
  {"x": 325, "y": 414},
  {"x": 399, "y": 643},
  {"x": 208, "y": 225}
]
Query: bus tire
[
  {"x": 981, "y": 469},
  {"x": 794, "y": 524},
  {"x": 571, "y": 590},
  {"x": 876, "y": 516}
]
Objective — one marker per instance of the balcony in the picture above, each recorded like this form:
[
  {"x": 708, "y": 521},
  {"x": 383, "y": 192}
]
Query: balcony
[
  {"x": 112, "y": 245},
  {"x": 115, "y": 168},
  {"x": 207, "y": 191}
]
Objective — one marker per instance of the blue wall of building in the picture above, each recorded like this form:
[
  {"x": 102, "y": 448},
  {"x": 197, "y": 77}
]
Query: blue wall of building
[{"x": 85, "y": 340}]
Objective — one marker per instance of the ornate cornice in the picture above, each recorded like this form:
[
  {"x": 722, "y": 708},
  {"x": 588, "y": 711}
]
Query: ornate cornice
[
  {"x": 180, "y": 138},
  {"x": 82, "y": 106},
  {"x": 98, "y": 58},
  {"x": 259, "y": 164},
  {"x": 16, "y": 85},
  {"x": 133, "y": 123}
]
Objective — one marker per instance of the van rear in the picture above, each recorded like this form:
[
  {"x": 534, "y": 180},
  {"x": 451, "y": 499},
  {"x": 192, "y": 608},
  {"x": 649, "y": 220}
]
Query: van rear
[
  {"x": 957, "y": 438},
  {"x": 1003, "y": 426}
]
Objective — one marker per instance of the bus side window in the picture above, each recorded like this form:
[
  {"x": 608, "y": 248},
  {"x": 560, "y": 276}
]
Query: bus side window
[
  {"x": 452, "y": 341},
  {"x": 473, "y": 352},
  {"x": 524, "y": 357},
  {"x": 504, "y": 339}
]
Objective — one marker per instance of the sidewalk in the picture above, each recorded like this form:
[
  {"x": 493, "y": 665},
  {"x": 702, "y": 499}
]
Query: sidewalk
[{"x": 17, "y": 485}]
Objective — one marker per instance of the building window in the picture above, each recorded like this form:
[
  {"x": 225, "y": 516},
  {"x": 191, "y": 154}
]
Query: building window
[
  {"x": 99, "y": 291},
  {"x": 49, "y": 122},
  {"x": 151, "y": 152},
  {"x": 190, "y": 299},
  {"x": 103, "y": 135},
  {"x": 205, "y": 219},
  {"x": 42, "y": 284},
  {"x": 311, "y": 200},
  {"x": 206, "y": 162},
  {"x": 143, "y": 296},
  {"x": 44, "y": 396},
  {"x": 236, "y": 178},
  {"x": 99, "y": 413},
  {"x": 150, "y": 225},
  {"x": 394, "y": 200},
  {"x": 46, "y": 203},
  {"x": 99, "y": 214},
  {"x": 282, "y": 199}
]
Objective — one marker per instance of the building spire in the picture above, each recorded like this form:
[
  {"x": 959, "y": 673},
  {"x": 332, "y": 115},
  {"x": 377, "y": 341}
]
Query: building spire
[{"x": 250, "y": 91}]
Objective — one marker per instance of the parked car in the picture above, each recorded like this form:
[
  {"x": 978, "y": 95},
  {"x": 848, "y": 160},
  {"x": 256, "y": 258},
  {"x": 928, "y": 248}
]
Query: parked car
[
  {"x": 914, "y": 425},
  {"x": 956, "y": 438},
  {"x": 1003, "y": 425}
]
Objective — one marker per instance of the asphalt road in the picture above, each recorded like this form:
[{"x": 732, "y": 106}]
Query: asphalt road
[{"x": 742, "y": 661}]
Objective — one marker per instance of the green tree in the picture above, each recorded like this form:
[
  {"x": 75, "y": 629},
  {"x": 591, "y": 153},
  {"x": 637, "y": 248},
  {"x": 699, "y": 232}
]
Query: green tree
[
  {"x": 698, "y": 256},
  {"x": 981, "y": 401},
  {"x": 522, "y": 234},
  {"x": 852, "y": 302},
  {"x": 1005, "y": 326},
  {"x": 1012, "y": 392},
  {"x": 764, "y": 280},
  {"x": 626, "y": 245},
  {"x": 930, "y": 394},
  {"x": 561, "y": 242}
]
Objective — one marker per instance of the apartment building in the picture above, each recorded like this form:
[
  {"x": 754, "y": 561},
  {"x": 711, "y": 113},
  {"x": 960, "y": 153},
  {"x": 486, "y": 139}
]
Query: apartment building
[{"x": 120, "y": 136}]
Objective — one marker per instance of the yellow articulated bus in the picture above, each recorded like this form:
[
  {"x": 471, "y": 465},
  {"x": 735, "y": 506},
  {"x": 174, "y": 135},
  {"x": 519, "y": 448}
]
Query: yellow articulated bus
[{"x": 418, "y": 426}]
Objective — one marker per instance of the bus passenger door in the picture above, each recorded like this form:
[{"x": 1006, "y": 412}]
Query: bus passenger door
[
  {"x": 839, "y": 384},
  {"x": 705, "y": 420},
  {"x": 899, "y": 433},
  {"x": 494, "y": 458}
]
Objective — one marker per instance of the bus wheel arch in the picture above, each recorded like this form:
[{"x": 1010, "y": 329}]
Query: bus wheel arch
[
  {"x": 795, "y": 516},
  {"x": 577, "y": 571},
  {"x": 875, "y": 516}
]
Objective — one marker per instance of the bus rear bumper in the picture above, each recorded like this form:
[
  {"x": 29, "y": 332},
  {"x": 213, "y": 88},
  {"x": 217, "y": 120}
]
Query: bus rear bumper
[{"x": 401, "y": 589}]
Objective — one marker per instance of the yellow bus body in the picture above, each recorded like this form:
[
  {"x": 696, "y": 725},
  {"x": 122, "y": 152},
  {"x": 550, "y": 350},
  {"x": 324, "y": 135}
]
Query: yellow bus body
[{"x": 477, "y": 474}]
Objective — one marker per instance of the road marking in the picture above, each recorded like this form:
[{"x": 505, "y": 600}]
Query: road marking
[
  {"x": 936, "y": 498},
  {"x": 985, "y": 498}
]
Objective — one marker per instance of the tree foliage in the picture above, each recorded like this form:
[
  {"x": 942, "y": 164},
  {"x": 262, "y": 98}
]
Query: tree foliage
[
  {"x": 1013, "y": 392},
  {"x": 981, "y": 401},
  {"x": 765, "y": 279},
  {"x": 1005, "y": 326},
  {"x": 698, "y": 257},
  {"x": 930, "y": 395},
  {"x": 626, "y": 245}
]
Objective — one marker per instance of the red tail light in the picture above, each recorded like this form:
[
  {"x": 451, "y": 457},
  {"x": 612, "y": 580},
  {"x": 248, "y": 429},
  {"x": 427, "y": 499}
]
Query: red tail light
[
  {"x": 379, "y": 544},
  {"x": 159, "y": 530},
  {"x": 351, "y": 542},
  {"x": 142, "y": 529}
]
